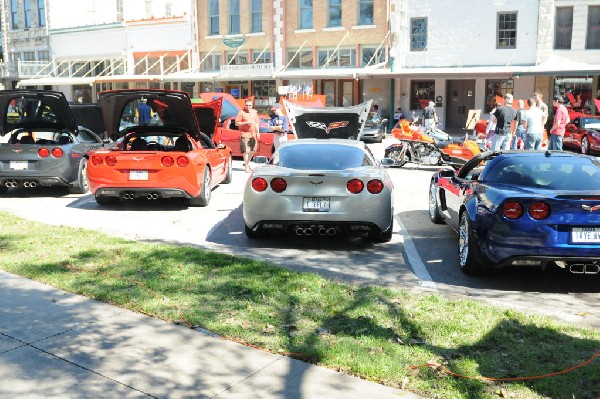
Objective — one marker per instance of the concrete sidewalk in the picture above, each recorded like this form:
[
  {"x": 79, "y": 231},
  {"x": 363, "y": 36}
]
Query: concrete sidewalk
[{"x": 54, "y": 344}]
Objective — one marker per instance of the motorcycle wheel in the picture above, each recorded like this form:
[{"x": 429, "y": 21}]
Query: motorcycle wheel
[{"x": 398, "y": 158}]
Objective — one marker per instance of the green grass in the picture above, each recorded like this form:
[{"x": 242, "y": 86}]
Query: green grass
[{"x": 371, "y": 332}]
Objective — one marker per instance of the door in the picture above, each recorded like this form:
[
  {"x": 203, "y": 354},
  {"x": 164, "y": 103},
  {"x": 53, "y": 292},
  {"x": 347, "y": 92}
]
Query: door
[
  {"x": 328, "y": 89},
  {"x": 460, "y": 98},
  {"x": 347, "y": 93}
]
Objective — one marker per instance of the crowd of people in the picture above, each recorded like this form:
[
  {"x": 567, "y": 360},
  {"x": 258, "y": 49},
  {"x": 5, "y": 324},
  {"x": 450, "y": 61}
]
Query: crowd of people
[{"x": 523, "y": 128}]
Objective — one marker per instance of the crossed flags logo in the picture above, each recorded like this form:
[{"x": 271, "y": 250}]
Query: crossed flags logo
[{"x": 327, "y": 128}]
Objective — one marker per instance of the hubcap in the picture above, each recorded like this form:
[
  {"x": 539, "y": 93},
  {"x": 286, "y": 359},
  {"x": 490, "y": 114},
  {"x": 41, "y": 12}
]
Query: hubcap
[
  {"x": 584, "y": 145},
  {"x": 432, "y": 201},
  {"x": 463, "y": 240},
  {"x": 84, "y": 181},
  {"x": 207, "y": 190}
]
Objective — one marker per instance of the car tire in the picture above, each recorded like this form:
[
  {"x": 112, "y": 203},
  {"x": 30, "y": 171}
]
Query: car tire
[
  {"x": 252, "y": 233},
  {"x": 585, "y": 145},
  {"x": 104, "y": 200},
  {"x": 203, "y": 198},
  {"x": 378, "y": 140},
  {"x": 81, "y": 184},
  {"x": 383, "y": 236},
  {"x": 396, "y": 156},
  {"x": 470, "y": 260},
  {"x": 434, "y": 208},
  {"x": 229, "y": 174}
]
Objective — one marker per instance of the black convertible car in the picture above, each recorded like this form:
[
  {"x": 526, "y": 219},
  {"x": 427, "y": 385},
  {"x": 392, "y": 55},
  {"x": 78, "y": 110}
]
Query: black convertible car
[{"x": 46, "y": 147}]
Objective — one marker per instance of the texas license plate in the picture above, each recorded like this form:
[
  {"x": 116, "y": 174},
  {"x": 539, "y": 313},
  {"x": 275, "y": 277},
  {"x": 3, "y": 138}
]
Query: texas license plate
[
  {"x": 585, "y": 235},
  {"x": 18, "y": 165},
  {"x": 138, "y": 175},
  {"x": 315, "y": 204}
]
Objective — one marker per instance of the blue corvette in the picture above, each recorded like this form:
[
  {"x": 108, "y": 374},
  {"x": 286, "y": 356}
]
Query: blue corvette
[{"x": 522, "y": 208}]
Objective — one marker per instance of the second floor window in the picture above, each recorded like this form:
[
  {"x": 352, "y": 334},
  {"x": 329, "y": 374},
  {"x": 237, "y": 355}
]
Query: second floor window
[
  {"x": 234, "y": 16},
  {"x": 593, "y": 28},
  {"x": 256, "y": 16},
  {"x": 365, "y": 12},
  {"x": 258, "y": 58},
  {"x": 507, "y": 30},
  {"x": 341, "y": 58},
  {"x": 14, "y": 15},
  {"x": 418, "y": 34},
  {"x": 237, "y": 59},
  {"x": 213, "y": 17},
  {"x": 335, "y": 13},
  {"x": 371, "y": 56},
  {"x": 563, "y": 28},
  {"x": 303, "y": 59},
  {"x": 210, "y": 62},
  {"x": 306, "y": 14},
  {"x": 41, "y": 13},
  {"x": 27, "y": 13}
]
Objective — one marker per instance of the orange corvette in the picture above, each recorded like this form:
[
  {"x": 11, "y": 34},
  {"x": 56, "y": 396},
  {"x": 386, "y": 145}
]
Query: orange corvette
[{"x": 160, "y": 151}]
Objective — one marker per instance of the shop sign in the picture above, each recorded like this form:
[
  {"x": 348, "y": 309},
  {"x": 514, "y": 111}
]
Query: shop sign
[
  {"x": 250, "y": 70},
  {"x": 234, "y": 41}
]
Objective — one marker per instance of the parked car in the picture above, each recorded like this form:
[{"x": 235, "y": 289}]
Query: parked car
[
  {"x": 89, "y": 116},
  {"x": 375, "y": 128},
  {"x": 45, "y": 147},
  {"x": 583, "y": 134},
  {"x": 320, "y": 187},
  {"x": 522, "y": 208},
  {"x": 228, "y": 133},
  {"x": 169, "y": 159}
]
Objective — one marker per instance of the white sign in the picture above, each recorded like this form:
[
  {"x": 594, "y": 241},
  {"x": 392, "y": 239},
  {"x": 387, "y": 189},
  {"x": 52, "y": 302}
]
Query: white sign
[{"x": 249, "y": 69}]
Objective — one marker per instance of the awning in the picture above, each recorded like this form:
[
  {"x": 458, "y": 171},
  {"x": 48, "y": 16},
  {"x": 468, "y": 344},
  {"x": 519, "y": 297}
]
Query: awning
[
  {"x": 465, "y": 71},
  {"x": 128, "y": 78},
  {"x": 562, "y": 66},
  {"x": 319, "y": 73},
  {"x": 55, "y": 81},
  {"x": 190, "y": 77}
]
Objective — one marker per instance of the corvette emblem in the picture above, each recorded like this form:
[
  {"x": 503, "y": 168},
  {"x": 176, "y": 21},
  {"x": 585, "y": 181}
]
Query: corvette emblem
[
  {"x": 591, "y": 208},
  {"x": 316, "y": 183},
  {"x": 327, "y": 128},
  {"x": 138, "y": 159},
  {"x": 17, "y": 151}
]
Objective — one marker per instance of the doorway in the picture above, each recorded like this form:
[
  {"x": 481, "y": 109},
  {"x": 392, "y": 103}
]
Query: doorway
[{"x": 460, "y": 95}]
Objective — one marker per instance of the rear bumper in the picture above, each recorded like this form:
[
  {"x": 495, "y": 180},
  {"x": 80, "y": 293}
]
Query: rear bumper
[
  {"x": 32, "y": 181},
  {"x": 128, "y": 193},
  {"x": 318, "y": 228}
]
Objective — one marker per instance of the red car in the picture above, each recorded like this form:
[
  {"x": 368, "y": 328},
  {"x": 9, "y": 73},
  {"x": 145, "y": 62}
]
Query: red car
[
  {"x": 167, "y": 157},
  {"x": 227, "y": 133},
  {"x": 583, "y": 134}
]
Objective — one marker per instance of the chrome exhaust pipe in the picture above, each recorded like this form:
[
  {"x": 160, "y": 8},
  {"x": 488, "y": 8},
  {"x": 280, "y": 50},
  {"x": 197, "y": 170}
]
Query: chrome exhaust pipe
[
  {"x": 26, "y": 184},
  {"x": 308, "y": 231},
  {"x": 322, "y": 231},
  {"x": 331, "y": 231},
  {"x": 32, "y": 184},
  {"x": 583, "y": 268},
  {"x": 299, "y": 231},
  {"x": 11, "y": 183},
  {"x": 128, "y": 196},
  {"x": 155, "y": 196}
]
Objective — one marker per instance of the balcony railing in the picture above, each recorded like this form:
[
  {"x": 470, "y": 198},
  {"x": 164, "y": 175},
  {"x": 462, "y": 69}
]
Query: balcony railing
[{"x": 29, "y": 69}]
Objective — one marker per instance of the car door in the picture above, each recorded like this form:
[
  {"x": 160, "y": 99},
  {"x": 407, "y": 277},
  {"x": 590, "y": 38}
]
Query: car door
[
  {"x": 217, "y": 158},
  {"x": 230, "y": 136}
]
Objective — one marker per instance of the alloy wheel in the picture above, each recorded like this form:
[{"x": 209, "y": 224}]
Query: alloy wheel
[{"x": 463, "y": 239}]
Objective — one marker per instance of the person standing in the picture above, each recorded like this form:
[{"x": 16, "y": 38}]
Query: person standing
[
  {"x": 534, "y": 126},
  {"x": 248, "y": 123},
  {"x": 430, "y": 118},
  {"x": 280, "y": 125},
  {"x": 504, "y": 116},
  {"x": 542, "y": 106},
  {"x": 376, "y": 109},
  {"x": 520, "y": 131},
  {"x": 144, "y": 113},
  {"x": 398, "y": 115},
  {"x": 561, "y": 118}
]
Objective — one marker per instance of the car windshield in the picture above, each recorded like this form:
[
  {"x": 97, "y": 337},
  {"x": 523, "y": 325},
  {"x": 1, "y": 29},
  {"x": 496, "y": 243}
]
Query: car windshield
[
  {"x": 564, "y": 173},
  {"x": 590, "y": 123},
  {"x": 322, "y": 157}
]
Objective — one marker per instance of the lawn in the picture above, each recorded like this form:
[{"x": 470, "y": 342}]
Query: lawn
[{"x": 376, "y": 333}]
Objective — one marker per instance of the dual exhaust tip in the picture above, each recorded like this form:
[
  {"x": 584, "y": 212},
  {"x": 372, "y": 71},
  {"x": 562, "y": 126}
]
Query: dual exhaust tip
[
  {"x": 584, "y": 268},
  {"x": 309, "y": 231},
  {"x": 26, "y": 183},
  {"x": 130, "y": 196}
]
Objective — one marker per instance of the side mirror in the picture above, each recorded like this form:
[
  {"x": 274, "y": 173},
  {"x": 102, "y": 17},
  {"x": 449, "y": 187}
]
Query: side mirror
[
  {"x": 386, "y": 162},
  {"x": 221, "y": 146},
  {"x": 260, "y": 159},
  {"x": 447, "y": 173}
]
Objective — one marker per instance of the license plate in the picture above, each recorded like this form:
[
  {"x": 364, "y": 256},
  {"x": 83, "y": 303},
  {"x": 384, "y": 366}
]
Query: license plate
[
  {"x": 585, "y": 235},
  {"x": 315, "y": 204},
  {"x": 138, "y": 175},
  {"x": 18, "y": 165}
]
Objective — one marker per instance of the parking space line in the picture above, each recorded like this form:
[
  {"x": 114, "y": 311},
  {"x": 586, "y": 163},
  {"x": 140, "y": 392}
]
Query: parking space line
[{"x": 414, "y": 260}]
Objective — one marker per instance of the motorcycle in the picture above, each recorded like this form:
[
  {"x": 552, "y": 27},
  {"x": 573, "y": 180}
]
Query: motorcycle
[{"x": 432, "y": 146}]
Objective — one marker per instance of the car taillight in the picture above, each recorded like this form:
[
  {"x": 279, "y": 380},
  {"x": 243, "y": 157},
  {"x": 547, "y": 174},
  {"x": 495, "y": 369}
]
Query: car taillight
[
  {"x": 96, "y": 160},
  {"x": 57, "y": 152},
  {"x": 43, "y": 152},
  {"x": 259, "y": 184},
  {"x": 167, "y": 161},
  {"x": 183, "y": 161},
  {"x": 539, "y": 210},
  {"x": 512, "y": 210},
  {"x": 355, "y": 186},
  {"x": 110, "y": 160},
  {"x": 278, "y": 185},
  {"x": 375, "y": 186}
]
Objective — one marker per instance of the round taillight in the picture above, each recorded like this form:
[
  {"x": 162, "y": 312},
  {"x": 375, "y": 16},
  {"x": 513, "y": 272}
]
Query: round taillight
[
  {"x": 278, "y": 185},
  {"x": 57, "y": 152},
  {"x": 43, "y": 152},
  {"x": 110, "y": 160},
  {"x": 167, "y": 161},
  {"x": 183, "y": 161},
  {"x": 96, "y": 160},
  {"x": 539, "y": 210},
  {"x": 512, "y": 210},
  {"x": 259, "y": 184},
  {"x": 355, "y": 186},
  {"x": 375, "y": 186}
]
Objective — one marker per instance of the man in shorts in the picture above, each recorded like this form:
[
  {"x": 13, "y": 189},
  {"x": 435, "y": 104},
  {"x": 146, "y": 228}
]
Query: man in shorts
[{"x": 248, "y": 123}]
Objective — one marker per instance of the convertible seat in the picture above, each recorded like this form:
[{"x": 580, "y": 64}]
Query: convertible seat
[
  {"x": 183, "y": 144},
  {"x": 139, "y": 145}
]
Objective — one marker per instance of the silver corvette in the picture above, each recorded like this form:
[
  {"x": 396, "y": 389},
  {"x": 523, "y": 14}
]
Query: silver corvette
[{"x": 320, "y": 187}]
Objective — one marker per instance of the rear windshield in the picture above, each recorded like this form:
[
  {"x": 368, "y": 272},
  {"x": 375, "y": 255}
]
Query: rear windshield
[
  {"x": 564, "y": 173},
  {"x": 322, "y": 157}
]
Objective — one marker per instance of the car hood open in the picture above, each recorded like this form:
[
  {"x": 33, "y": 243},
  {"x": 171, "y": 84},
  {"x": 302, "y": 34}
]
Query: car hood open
[
  {"x": 208, "y": 115},
  {"x": 30, "y": 109},
  {"x": 174, "y": 106},
  {"x": 328, "y": 122}
]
